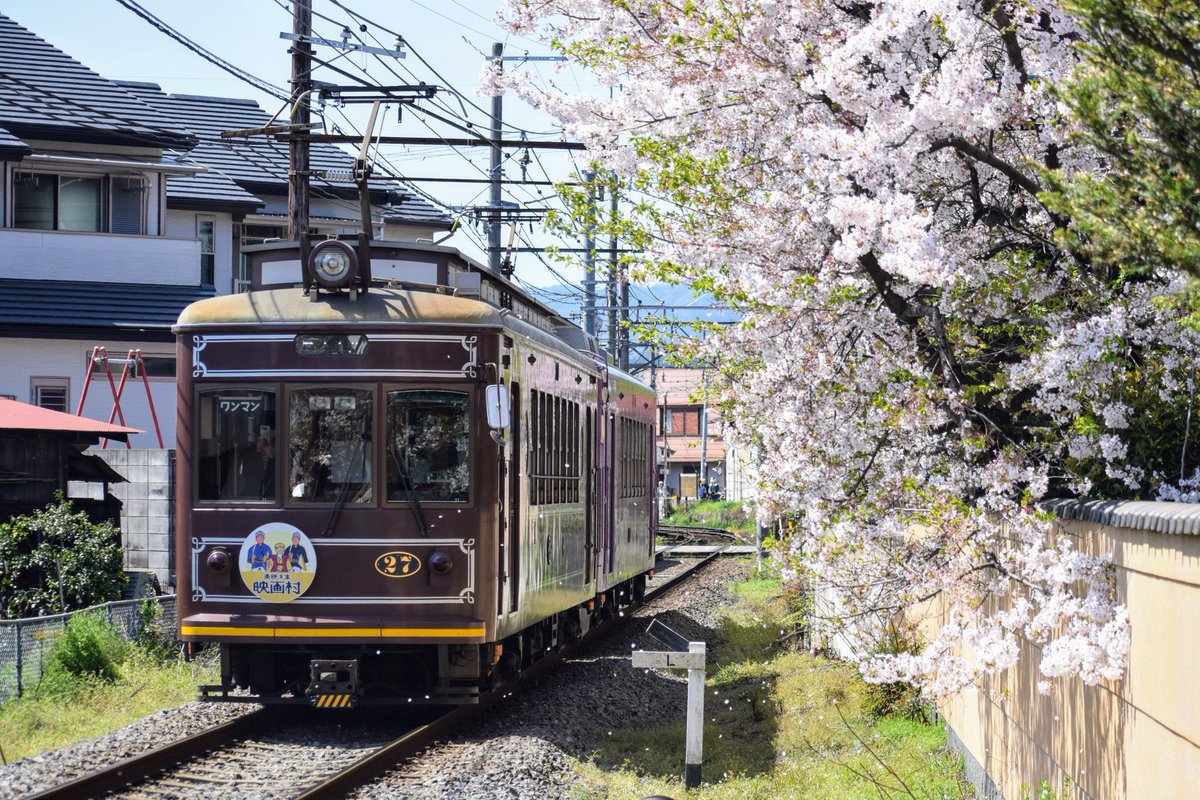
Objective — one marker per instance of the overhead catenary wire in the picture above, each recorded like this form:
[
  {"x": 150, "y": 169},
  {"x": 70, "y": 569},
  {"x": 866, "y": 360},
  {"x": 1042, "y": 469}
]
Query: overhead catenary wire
[
  {"x": 206, "y": 54},
  {"x": 326, "y": 189}
]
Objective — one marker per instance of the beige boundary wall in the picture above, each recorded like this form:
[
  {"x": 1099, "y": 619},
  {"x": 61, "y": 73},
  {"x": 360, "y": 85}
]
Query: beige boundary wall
[{"x": 1137, "y": 737}]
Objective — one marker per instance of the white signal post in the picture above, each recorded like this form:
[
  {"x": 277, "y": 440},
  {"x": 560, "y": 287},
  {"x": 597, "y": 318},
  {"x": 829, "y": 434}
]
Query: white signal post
[{"x": 693, "y": 660}]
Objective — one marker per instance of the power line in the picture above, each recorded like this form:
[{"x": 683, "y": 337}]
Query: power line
[{"x": 208, "y": 55}]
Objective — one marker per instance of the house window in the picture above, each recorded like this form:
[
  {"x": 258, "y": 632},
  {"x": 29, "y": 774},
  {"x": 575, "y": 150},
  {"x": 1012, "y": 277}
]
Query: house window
[
  {"x": 247, "y": 235},
  {"x": 51, "y": 393},
  {"x": 127, "y": 201},
  {"x": 94, "y": 204},
  {"x": 58, "y": 202},
  {"x": 683, "y": 421},
  {"x": 206, "y": 233},
  {"x": 160, "y": 366}
]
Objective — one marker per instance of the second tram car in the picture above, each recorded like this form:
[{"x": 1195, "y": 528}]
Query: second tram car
[{"x": 399, "y": 493}]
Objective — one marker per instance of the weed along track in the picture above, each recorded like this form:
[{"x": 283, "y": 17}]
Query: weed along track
[{"x": 308, "y": 753}]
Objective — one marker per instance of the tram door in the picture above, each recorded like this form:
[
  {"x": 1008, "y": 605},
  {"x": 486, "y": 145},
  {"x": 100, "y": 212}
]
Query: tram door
[
  {"x": 610, "y": 526},
  {"x": 603, "y": 492},
  {"x": 514, "y": 500},
  {"x": 589, "y": 495}
]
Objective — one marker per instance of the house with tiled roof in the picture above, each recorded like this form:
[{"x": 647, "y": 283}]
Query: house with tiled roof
[
  {"x": 86, "y": 255},
  {"x": 257, "y": 168},
  {"x": 121, "y": 204}
]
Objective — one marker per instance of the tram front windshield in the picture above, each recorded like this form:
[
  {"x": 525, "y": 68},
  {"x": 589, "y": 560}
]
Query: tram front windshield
[{"x": 327, "y": 453}]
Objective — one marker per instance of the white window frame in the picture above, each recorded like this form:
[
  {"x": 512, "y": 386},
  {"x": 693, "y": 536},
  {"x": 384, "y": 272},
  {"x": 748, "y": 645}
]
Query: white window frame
[
  {"x": 39, "y": 382},
  {"x": 201, "y": 220}
]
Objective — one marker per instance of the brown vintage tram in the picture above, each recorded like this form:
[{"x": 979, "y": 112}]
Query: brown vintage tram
[{"x": 399, "y": 488}]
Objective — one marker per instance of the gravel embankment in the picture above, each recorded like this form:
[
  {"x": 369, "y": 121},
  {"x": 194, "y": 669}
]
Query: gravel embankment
[
  {"x": 31, "y": 775},
  {"x": 524, "y": 748}
]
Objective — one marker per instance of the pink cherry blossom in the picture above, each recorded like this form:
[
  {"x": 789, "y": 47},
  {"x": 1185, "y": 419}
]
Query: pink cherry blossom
[{"x": 918, "y": 362}]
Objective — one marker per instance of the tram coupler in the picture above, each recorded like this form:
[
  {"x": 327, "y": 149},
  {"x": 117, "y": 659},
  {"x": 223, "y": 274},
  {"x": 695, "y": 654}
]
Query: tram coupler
[{"x": 334, "y": 684}]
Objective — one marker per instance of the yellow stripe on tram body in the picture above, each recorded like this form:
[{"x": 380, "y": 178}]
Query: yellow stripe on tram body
[{"x": 378, "y": 633}]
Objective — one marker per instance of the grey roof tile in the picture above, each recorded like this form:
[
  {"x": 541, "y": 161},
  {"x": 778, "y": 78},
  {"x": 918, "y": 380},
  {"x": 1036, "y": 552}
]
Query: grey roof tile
[
  {"x": 79, "y": 306},
  {"x": 47, "y": 94},
  {"x": 12, "y": 148},
  {"x": 1169, "y": 518},
  {"x": 259, "y": 163}
]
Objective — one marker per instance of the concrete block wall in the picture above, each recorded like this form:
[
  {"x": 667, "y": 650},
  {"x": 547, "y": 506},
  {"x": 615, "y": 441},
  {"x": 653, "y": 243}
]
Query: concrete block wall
[
  {"x": 1126, "y": 739},
  {"x": 146, "y": 519}
]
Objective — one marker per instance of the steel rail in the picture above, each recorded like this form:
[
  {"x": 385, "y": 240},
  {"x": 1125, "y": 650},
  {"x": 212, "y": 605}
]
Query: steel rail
[
  {"x": 145, "y": 765},
  {"x": 411, "y": 743},
  {"x": 686, "y": 531}
]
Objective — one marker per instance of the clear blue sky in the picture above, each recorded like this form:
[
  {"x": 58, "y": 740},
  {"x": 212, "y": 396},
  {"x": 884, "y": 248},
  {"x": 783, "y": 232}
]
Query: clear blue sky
[{"x": 452, "y": 35}]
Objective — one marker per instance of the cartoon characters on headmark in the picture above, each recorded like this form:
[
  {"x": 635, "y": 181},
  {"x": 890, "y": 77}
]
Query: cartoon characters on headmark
[{"x": 277, "y": 562}]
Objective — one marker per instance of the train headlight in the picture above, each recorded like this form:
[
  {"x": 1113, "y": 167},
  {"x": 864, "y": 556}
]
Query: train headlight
[
  {"x": 218, "y": 561},
  {"x": 440, "y": 562},
  {"x": 332, "y": 263}
]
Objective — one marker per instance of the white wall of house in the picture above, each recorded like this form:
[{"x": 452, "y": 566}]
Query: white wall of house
[
  {"x": 103, "y": 257},
  {"x": 186, "y": 224},
  {"x": 33, "y": 362}
]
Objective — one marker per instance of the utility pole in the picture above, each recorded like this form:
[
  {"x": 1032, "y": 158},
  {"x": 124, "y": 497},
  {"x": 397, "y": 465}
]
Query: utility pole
[
  {"x": 622, "y": 282},
  {"x": 611, "y": 290},
  {"x": 497, "y": 157},
  {"x": 704, "y": 428},
  {"x": 614, "y": 326},
  {"x": 298, "y": 144},
  {"x": 589, "y": 260}
]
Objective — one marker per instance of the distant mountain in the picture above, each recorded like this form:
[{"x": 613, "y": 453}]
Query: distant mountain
[{"x": 661, "y": 300}]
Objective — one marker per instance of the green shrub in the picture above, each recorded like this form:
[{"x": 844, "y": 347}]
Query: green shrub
[
  {"x": 89, "y": 648},
  {"x": 899, "y": 699},
  {"x": 156, "y": 636},
  {"x": 57, "y": 560}
]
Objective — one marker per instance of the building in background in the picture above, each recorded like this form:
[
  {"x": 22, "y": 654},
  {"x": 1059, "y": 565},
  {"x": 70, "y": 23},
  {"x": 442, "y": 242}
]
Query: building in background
[
  {"x": 119, "y": 206},
  {"x": 690, "y": 448}
]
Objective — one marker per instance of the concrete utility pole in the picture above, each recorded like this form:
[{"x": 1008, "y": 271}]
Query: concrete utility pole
[
  {"x": 497, "y": 158},
  {"x": 610, "y": 298},
  {"x": 298, "y": 144},
  {"x": 623, "y": 293},
  {"x": 614, "y": 320},
  {"x": 589, "y": 260}
]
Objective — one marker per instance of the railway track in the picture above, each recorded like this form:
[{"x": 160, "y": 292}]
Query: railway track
[
  {"x": 697, "y": 533},
  {"x": 254, "y": 755}
]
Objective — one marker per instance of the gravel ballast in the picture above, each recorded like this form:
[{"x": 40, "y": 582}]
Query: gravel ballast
[{"x": 526, "y": 747}]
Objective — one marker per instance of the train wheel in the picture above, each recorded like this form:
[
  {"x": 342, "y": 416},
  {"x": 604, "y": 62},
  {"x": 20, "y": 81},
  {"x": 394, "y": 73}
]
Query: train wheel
[{"x": 570, "y": 630}]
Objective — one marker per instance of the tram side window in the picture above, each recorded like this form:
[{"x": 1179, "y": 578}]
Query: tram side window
[
  {"x": 428, "y": 446},
  {"x": 329, "y": 452},
  {"x": 633, "y": 446},
  {"x": 236, "y": 445},
  {"x": 554, "y": 435}
]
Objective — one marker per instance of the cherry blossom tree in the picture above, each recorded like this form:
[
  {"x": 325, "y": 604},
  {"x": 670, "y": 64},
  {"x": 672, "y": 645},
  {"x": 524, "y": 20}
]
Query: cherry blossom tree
[{"x": 921, "y": 361}]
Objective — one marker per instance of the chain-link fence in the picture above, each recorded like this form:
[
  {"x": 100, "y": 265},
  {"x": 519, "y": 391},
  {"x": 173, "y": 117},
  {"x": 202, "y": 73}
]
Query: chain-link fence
[{"x": 25, "y": 644}]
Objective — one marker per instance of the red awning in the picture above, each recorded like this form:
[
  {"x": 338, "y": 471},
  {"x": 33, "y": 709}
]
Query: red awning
[{"x": 17, "y": 416}]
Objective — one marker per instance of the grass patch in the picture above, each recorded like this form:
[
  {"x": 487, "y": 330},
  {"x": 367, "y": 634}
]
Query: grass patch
[
  {"x": 778, "y": 724},
  {"x": 730, "y": 515},
  {"x": 46, "y": 720},
  {"x": 95, "y": 682}
]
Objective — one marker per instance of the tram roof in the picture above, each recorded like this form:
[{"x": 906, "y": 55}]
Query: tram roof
[{"x": 380, "y": 305}]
